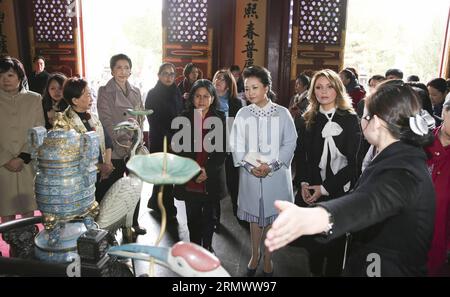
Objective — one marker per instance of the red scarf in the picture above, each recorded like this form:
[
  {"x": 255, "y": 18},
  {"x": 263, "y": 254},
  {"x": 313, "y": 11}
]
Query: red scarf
[{"x": 200, "y": 158}]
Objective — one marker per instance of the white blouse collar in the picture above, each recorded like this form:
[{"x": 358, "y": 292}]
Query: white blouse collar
[
  {"x": 331, "y": 111},
  {"x": 268, "y": 110}
]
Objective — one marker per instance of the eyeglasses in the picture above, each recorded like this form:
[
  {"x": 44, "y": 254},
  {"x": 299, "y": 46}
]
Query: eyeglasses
[{"x": 168, "y": 74}]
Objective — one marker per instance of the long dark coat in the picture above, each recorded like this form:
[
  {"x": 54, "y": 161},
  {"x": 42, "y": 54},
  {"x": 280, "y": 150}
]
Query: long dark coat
[
  {"x": 166, "y": 102},
  {"x": 309, "y": 152},
  {"x": 390, "y": 214}
]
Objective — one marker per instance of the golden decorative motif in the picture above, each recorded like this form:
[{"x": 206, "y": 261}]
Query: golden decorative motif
[
  {"x": 49, "y": 221},
  {"x": 55, "y": 141},
  {"x": 58, "y": 163},
  {"x": 70, "y": 153},
  {"x": 94, "y": 210},
  {"x": 61, "y": 122}
]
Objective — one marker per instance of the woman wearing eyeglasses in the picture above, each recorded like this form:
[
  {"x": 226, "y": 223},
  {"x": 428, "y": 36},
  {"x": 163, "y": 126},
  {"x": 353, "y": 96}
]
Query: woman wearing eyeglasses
[
  {"x": 114, "y": 99},
  {"x": 390, "y": 213},
  {"x": 166, "y": 102},
  {"x": 327, "y": 146}
]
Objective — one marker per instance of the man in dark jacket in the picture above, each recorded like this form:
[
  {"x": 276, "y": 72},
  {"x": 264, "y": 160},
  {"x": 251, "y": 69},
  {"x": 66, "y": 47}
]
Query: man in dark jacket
[{"x": 38, "y": 79}]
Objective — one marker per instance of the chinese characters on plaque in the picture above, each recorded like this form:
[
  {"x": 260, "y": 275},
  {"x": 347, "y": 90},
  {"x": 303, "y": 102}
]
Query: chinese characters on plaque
[{"x": 250, "y": 14}]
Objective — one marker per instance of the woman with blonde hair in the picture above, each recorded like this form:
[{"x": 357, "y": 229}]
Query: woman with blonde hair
[{"x": 327, "y": 146}]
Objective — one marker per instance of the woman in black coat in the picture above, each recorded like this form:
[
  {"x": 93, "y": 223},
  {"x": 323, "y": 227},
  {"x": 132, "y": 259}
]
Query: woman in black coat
[
  {"x": 201, "y": 137},
  {"x": 166, "y": 102},
  {"x": 326, "y": 164},
  {"x": 390, "y": 213}
]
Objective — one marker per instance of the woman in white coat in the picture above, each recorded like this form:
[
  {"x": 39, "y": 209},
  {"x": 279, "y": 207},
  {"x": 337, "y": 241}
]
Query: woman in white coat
[
  {"x": 263, "y": 140},
  {"x": 20, "y": 110}
]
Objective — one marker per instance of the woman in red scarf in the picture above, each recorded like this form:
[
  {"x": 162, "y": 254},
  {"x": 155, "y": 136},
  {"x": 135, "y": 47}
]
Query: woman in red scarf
[
  {"x": 439, "y": 164},
  {"x": 202, "y": 138}
]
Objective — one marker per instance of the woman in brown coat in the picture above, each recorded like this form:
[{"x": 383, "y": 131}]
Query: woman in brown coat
[{"x": 20, "y": 110}]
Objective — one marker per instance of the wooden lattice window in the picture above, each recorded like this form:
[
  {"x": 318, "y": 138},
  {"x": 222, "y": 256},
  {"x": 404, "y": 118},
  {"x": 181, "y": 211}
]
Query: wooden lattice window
[
  {"x": 320, "y": 21},
  {"x": 52, "y": 22},
  {"x": 188, "y": 21}
]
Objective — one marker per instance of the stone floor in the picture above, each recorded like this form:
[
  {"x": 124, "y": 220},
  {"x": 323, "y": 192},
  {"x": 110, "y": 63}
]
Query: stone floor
[{"x": 232, "y": 244}]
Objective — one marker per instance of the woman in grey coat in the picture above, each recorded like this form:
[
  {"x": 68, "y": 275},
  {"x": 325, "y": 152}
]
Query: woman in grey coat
[
  {"x": 263, "y": 140},
  {"x": 114, "y": 99}
]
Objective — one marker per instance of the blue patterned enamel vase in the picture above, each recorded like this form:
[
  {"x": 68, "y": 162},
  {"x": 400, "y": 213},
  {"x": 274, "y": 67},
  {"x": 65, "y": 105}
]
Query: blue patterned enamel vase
[{"x": 66, "y": 172}]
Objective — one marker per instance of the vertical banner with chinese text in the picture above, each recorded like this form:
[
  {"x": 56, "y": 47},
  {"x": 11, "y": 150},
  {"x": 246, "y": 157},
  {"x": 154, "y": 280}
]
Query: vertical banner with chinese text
[
  {"x": 250, "y": 35},
  {"x": 8, "y": 36}
]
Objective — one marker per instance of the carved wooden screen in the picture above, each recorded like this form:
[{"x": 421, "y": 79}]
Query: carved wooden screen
[
  {"x": 318, "y": 35},
  {"x": 187, "y": 35},
  {"x": 55, "y": 34}
]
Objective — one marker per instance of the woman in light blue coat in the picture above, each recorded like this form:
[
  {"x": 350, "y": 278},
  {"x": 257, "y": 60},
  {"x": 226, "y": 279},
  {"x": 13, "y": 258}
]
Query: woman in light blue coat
[{"x": 263, "y": 140}]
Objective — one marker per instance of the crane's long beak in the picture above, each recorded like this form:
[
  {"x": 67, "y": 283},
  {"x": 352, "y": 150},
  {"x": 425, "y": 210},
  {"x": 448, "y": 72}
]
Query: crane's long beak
[{"x": 140, "y": 252}]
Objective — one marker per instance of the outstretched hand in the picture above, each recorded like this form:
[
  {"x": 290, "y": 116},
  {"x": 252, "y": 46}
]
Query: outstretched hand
[{"x": 294, "y": 222}]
